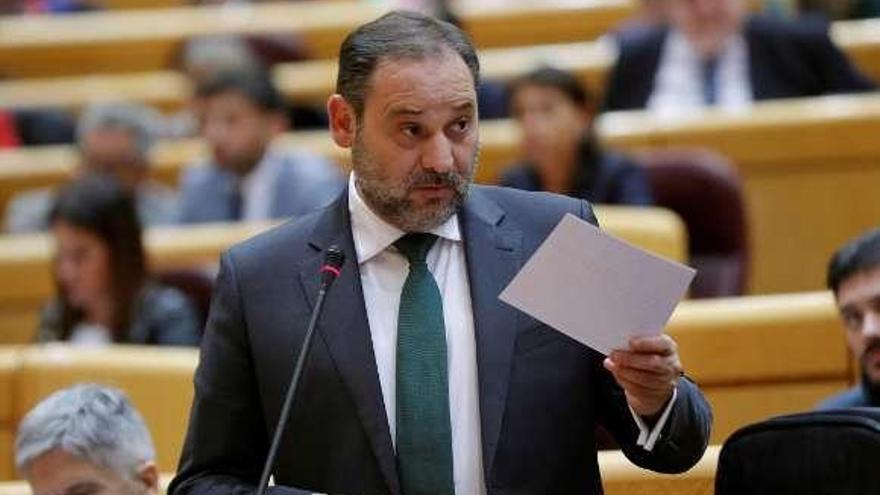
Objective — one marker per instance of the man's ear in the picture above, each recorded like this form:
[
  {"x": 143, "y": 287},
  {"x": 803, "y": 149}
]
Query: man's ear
[
  {"x": 148, "y": 474},
  {"x": 343, "y": 121}
]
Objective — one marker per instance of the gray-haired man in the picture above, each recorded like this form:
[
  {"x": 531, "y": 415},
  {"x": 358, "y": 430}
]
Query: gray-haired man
[
  {"x": 114, "y": 139},
  {"x": 86, "y": 440}
]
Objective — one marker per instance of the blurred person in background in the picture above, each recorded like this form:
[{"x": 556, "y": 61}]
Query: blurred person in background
[
  {"x": 202, "y": 59},
  {"x": 841, "y": 9},
  {"x": 17, "y": 7},
  {"x": 712, "y": 53},
  {"x": 86, "y": 440},
  {"x": 104, "y": 292},
  {"x": 854, "y": 277},
  {"x": 114, "y": 139},
  {"x": 562, "y": 155},
  {"x": 246, "y": 178}
]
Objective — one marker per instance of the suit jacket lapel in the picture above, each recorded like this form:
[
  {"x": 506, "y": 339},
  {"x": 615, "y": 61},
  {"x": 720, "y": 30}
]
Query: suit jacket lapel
[
  {"x": 493, "y": 248},
  {"x": 345, "y": 330}
]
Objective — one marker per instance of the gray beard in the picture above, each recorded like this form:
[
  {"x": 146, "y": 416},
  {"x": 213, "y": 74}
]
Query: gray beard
[{"x": 390, "y": 199}]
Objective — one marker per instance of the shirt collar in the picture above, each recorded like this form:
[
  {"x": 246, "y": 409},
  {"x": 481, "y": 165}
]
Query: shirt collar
[
  {"x": 373, "y": 235},
  {"x": 264, "y": 170}
]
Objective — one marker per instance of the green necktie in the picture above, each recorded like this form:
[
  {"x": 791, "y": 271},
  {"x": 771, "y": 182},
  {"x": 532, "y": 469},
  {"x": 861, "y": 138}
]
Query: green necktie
[{"x": 424, "y": 437}]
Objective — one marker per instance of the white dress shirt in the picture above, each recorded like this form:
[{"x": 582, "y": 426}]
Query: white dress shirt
[
  {"x": 383, "y": 272},
  {"x": 258, "y": 188},
  {"x": 678, "y": 85}
]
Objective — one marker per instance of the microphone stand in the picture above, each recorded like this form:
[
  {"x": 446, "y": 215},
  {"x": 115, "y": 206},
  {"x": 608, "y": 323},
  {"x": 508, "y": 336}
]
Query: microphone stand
[{"x": 333, "y": 260}]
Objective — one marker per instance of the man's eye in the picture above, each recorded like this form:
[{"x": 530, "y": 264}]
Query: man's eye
[
  {"x": 410, "y": 130},
  {"x": 853, "y": 321},
  {"x": 462, "y": 125}
]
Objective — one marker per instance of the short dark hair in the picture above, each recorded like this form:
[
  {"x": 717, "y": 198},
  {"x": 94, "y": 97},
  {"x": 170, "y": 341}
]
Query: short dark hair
[
  {"x": 103, "y": 207},
  {"x": 397, "y": 34},
  {"x": 551, "y": 77},
  {"x": 858, "y": 255},
  {"x": 256, "y": 86}
]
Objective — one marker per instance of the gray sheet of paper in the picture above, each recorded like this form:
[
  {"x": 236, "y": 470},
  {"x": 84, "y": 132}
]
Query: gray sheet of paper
[{"x": 596, "y": 288}]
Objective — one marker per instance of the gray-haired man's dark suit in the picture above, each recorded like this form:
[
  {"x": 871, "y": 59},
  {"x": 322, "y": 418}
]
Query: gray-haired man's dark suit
[{"x": 541, "y": 394}]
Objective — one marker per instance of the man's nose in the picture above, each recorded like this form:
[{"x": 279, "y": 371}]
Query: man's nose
[
  {"x": 437, "y": 153},
  {"x": 871, "y": 324}
]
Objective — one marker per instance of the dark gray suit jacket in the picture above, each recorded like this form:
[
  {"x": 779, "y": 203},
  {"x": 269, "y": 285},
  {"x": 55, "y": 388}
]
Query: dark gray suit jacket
[
  {"x": 786, "y": 59},
  {"x": 541, "y": 394},
  {"x": 305, "y": 182}
]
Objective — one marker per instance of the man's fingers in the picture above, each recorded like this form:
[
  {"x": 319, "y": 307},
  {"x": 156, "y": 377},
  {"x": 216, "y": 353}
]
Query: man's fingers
[
  {"x": 654, "y": 363},
  {"x": 640, "y": 390},
  {"x": 658, "y": 344},
  {"x": 651, "y": 380}
]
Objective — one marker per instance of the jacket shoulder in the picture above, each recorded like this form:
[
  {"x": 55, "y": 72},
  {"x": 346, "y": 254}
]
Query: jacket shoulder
[
  {"x": 853, "y": 397},
  {"x": 535, "y": 209}
]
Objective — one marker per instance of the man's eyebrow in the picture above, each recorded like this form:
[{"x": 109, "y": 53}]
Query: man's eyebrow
[
  {"x": 84, "y": 488},
  {"x": 411, "y": 111},
  {"x": 465, "y": 105}
]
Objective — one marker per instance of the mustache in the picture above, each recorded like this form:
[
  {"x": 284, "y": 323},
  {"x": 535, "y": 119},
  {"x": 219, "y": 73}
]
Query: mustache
[
  {"x": 423, "y": 178},
  {"x": 872, "y": 345}
]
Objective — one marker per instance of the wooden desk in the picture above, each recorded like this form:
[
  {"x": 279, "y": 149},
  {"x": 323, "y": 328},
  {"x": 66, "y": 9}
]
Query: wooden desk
[
  {"x": 128, "y": 41},
  {"x": 760, "y": 356},
  {"x": 731, "y": 347},
  {"x": 810, "y": 170},
  {"x": 157, "y": 380},
  {"x": 312, "y": 81},
  {"x": 621, "y": 477},
  {"x": 9, "y": 365},
  {"x": 26, "y": 259},
  {"x": 809, "y": 166}
]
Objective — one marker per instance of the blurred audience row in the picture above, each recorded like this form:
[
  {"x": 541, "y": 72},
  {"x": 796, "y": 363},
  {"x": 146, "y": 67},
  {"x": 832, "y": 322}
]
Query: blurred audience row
[{"x": 677, "y": 55}]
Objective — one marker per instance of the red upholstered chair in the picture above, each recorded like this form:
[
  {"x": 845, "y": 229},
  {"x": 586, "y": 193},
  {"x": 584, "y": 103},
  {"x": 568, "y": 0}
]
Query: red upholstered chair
[{"x": 705, "y": 190}]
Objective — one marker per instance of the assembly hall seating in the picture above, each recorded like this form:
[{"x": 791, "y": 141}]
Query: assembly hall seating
[
  {"x": 808, "y": 168},
  {"x": 310, "y": 82},
  {"x": 754, "y": 356},
  {"x": 26, "y": 259},
  {"x": 92, "y": 42}
]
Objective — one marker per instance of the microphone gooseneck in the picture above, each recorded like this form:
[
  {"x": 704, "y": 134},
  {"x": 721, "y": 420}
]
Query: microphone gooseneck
[{"x": 330, "y": 270}]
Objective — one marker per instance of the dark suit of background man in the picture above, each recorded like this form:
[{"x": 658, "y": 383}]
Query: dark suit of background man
[
  {"x": 710, "y": 52},
  {"x": 461, "y": 394}
]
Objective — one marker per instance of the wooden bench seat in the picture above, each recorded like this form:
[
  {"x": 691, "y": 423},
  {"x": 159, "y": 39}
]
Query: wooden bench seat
[
  {"x": 754, "y": 357},
  {"x": 26, "y": 259},
  {"x": 129, "y": 41},
  {"x": 311, "y": 82},
  {"x": 809, "y": 167},
  {"x": 760, "y": 356}
]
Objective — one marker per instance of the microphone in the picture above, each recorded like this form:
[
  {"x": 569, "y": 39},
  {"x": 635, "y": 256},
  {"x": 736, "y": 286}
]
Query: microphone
[{"x": 329, "y": 271}]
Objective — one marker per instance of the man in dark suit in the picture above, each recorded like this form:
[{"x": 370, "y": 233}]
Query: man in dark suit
[
  {"x": 420, "y": 380},
  {"x": 712, "y": 53},
  {"x": 854, "y": 277},
  {"x": 247, "y": 177}
]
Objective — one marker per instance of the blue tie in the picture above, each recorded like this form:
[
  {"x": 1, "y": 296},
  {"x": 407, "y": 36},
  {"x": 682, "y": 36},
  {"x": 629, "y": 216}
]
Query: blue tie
[
  {"x": 424, "y": 437},
  {"x": 236, "y": 203},
  {"x": 709, "y": 72}
]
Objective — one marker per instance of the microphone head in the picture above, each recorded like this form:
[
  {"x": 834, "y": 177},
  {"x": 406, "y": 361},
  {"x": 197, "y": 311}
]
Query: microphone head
[{"x": 334, "y": 258}]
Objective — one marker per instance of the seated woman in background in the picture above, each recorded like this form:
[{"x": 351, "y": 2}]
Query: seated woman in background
[
  {"x": 555, "y": 114},
  {"x": 104, "y": 292}
]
